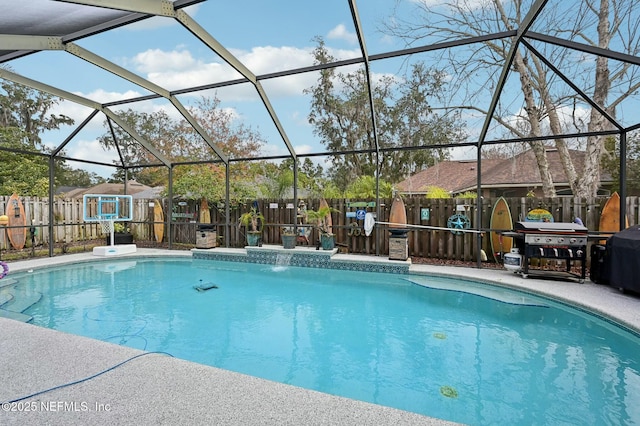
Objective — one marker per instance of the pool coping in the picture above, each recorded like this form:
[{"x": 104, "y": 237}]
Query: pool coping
[{"x": 156, "y": 388}]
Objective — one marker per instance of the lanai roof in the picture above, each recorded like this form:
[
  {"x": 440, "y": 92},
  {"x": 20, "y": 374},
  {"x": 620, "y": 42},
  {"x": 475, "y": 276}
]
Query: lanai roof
[{"x": 78, "y": 28}]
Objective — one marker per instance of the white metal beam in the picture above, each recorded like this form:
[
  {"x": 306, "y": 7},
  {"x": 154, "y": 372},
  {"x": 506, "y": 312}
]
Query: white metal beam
[
  {"x": 29, "y": 42},
  {"x": 26, "y": 81},
  {"x": 151, "y": 7}
]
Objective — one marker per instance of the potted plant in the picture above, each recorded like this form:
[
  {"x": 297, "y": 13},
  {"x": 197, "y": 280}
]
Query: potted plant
[
  {"x": 121, "y": 234},
  {"x": 253, "y": 220},
  {"x": 288, "y": 236},
  {"x": 321, "y": 220}
]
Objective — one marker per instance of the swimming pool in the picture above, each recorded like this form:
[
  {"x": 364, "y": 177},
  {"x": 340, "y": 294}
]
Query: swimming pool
[{"x": 410, "y": 342}]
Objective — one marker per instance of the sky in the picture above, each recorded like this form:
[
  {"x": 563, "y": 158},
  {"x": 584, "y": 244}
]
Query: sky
[{"x": 265, "y": 36}]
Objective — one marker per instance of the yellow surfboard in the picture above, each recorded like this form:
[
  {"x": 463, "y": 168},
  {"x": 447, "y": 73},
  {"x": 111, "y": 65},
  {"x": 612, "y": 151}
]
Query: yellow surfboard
[
  {"x": 205, "y": 213},
  {"x": 610, "y": 216},
  {"x": 500, "y": 220},
  {"x": 158, "y": 218}
]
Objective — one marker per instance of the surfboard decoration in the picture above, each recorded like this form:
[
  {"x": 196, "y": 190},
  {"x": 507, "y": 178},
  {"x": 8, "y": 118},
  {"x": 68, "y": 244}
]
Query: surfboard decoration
[
  {"x": 539, "y": 215},
  {"x": 17, "y": 217},
  {"x": 158, "y": 217},
  {"x": 500, "y": 220},
  {"x": 328, "y": 219},
  {"x": 205, "y": 213},
  {"x": 397, "y": 215},
  {"x": 610, "y": 216}
]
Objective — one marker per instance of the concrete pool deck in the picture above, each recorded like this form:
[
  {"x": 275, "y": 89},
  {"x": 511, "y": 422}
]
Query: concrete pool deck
[{"x": 151, "y": 388}]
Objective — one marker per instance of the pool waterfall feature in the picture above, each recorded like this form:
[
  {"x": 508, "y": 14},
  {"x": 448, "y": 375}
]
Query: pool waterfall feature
[{"x": 305, "y": 256}]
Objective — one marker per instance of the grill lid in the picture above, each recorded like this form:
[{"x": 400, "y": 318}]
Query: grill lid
[{"x": 550, "y": 227}]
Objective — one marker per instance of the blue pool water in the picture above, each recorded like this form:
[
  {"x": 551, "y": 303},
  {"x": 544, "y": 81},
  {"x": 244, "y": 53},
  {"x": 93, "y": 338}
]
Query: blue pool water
[{"x": 411, "y": 342}]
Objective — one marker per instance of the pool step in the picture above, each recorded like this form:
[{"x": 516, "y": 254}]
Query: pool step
[
  {"x": 22, "y": 302},
  {"x": 482, "y": 290},
  {"x": 5, "y": 298},
  {"x": 18, "y": 316},
  {"x": 14, "y": 302},
  {"x": 5, "y": 282}
]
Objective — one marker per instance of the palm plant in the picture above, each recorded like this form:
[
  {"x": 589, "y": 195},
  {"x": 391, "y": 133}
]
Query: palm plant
[
  {"x": 253, "y": 220},
  {"x": 320, "y": 218}
]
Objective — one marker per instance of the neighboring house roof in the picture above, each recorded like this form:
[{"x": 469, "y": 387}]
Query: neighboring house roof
[
  {"x": 518, "y": 171},
  {"x": 133, "y": 187},
  {"x": 72, "y": 193},
  {"x": 449, "y": 175},
  {"x": 64, "y": 190},
  {"x": 155, "y": 192}
]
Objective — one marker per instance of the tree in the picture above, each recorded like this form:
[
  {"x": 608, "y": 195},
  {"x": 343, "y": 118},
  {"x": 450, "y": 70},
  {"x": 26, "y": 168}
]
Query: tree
[
  {"x": 77, "y": 177},
  {"x": 365, "y": 187},
  {"x": 207, "y": 181},
  {"x": 157, "y": 128},
  {"x": 24, "y": 116},
  {"x": 437, "y": 192},
  {"x": 611, "y": 162},
  {"x": 27, "y": 109},
  {"x": 409, "y": 121},
  {"x": 21, "y": 173},
  {"x": 278, "y": 179},
  {"x": 177, "y": 141},
  {"x": 341, "y": 116},
  {"x": 311, "y": 178},
  {"x": 597, "y": 24}
]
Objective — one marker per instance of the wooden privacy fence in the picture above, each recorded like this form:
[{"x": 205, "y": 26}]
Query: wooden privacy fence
[{"x": 68, "y": 226}]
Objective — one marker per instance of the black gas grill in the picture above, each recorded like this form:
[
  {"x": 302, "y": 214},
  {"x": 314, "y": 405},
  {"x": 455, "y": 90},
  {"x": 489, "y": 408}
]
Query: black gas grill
[{"x": 552, "y": 240}]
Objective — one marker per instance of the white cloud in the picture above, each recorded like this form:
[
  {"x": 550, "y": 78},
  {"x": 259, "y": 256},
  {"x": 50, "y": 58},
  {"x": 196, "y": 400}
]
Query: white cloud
[
  {"x": 179, "y": 69},
  {"x": 103, "y": 96},
  {"x": 340, "y": 32},
  {"x": 79, "y": 112},
  {"x": 341, "y": 54},
  {"x": 274, "y": 149},
  {"x": 155, "y": 60},
  {"x": 92, "y": 150},
  {"x": 267, "y": 59},
  {"x": 304, "y": 149}
]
